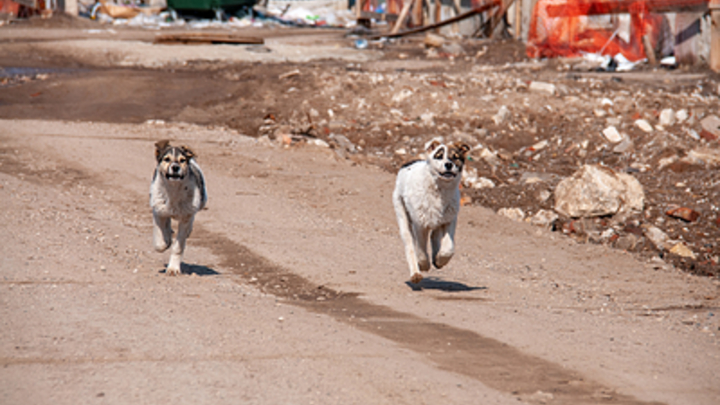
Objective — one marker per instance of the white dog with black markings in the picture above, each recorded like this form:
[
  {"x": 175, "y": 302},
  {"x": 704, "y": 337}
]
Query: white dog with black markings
[
  {"x": 177, "y": 192},
  {"x": 427, "y": 202}
]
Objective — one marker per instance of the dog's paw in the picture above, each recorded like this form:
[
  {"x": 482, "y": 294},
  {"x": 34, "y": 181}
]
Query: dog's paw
[
  {"x": 173, "y": 271},
  {"x": 161, "y": 247},
  {"x": 416, "y": 278},
  {"x": 440, "y": 261},
  {"x": 424, "y": 265}
]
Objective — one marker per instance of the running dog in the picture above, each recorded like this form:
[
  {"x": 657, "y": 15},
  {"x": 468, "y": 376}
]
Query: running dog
[
  {"x": 427, "y": 201},
  {"x": 177, "y": 192}
]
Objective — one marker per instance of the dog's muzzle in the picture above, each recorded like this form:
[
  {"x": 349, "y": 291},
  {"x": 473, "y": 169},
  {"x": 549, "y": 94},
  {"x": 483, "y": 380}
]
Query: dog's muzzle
[
  {"x": 174, "y": 173},
  {"x": 448, "y": 175}
]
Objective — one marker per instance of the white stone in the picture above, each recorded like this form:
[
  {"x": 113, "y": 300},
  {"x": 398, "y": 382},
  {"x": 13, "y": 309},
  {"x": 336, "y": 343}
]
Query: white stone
[
  {"x": 667, "y": 117},
  {"x": 483, "y": 182},
  {"x": 543, "y": 218},
  {"x": 543, "y": 87},
  {"x": 611, "y": 134},
  {"x": 516, "y": 214},
  {"x": 402, "y": 96},
  {"x": 657, "y": 237},
  {"x": 644, "y": 125},
  {"x": 681, "y": 116},
  {"x": 502, "y": 115},
  {"x": 596, "y": 191}
]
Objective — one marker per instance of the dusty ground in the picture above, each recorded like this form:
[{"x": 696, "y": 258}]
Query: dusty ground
[{"x": 296, "y": 289}]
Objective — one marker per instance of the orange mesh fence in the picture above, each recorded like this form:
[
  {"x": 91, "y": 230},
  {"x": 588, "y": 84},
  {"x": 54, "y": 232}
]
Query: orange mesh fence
[{"x": 561, "y": 28}]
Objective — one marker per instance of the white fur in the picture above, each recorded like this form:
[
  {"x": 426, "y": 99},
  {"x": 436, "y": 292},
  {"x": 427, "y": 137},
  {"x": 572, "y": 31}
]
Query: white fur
[
  {"x": 179, "y": 200},
  {"x": 427, "y": 205}
]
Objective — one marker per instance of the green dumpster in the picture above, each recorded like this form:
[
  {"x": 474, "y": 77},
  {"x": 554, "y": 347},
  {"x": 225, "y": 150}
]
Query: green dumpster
[{"x": 207, "y": 5}]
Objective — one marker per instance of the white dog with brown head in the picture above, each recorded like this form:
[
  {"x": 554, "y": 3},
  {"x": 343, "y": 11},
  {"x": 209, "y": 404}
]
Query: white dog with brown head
[
  {"x": 177, "y": 192},
  {"x": 427, "y": 202}
]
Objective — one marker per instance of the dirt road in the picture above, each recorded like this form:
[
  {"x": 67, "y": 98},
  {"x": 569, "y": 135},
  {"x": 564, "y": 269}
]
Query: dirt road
[{"x": 295, "y": 289}]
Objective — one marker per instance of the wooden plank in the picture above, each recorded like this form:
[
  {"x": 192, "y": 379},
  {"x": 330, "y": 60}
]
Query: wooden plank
[
  {"x": 379, "y": 16},
  {"x": 497, "y": 17},
  {"x": 467, "y": 14},
  {"x": 206, "y": 38},
  {"x": 402, "y": 17},
  {"x": 687, "y": 36},
  {"x": 715, "y": 35}
]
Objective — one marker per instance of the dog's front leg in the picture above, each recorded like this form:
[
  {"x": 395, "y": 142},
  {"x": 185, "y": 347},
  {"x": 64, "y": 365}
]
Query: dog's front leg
[
  {"x": 178, "y": 246},
  {"x": 443, "y": 244},
  {"x": 162, "y": 232},
  {"x": 421, "y": 235}
]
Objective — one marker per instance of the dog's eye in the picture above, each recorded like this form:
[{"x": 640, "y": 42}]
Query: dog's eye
[
  {"x": 182, "y": 160},
  {"x": 439, "y": 154},
  {"x": 166, "y": 159}
]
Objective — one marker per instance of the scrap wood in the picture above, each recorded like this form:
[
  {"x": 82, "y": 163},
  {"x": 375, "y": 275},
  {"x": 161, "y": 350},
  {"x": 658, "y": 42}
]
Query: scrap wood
[
  {"x": 117, "y": 11},
  {"x": 498, "y": 16},
  {"x": 467, "y": 14},
  {"x": 206, "y": 38}
]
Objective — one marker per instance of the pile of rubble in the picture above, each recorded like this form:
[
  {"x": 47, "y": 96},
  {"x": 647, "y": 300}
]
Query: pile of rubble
[{"x": 632, "y": 165}]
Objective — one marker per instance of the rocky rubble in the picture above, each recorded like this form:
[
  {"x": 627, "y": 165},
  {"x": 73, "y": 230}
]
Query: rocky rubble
[{"x": 598, "y": 158}]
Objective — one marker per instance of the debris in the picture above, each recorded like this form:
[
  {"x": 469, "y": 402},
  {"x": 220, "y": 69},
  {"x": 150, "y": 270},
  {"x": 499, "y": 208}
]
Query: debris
[
  {"x": 644, "y": 125},
  {"x": 657, "y": 237},
  {"x": 682, "y": 250},
  {"x": 194, "y": 38},
  {"x": 516, "y": 214},
  {"x": 543, "y": 87},
  {"x": 289, "y": 74},
  {"x": 611, "y": 134},
  {"x": 596, "y": 191},
  {"x": 361, "y": 43},
  {"x": 711, "y": 125},
  {"x": 626, "y": 145},
  {"x": 543, "y": 218},
  {"x": 667, "y": 117},
  {"x": 433, "y": 41},
  {"x": 402, "y": 96},
  {"x": 703, "y": 156},
  {"x": 502, "y": 115},
  {"x": 684, "y": 213},
  {"x": 681, "y": 116}
]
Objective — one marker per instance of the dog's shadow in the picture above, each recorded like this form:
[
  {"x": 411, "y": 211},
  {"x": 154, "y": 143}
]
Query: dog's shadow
[
  {"x": 196, "y": 269},
  {"x": 434, "y": 283}
]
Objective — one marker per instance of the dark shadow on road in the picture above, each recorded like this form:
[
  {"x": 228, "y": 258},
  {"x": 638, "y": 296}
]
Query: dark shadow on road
[
  {"x": 434, "y": 283},
  {"x": 195, "y": 269}
]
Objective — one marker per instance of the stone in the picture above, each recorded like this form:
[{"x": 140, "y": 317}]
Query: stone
[
  {"x": 626, "y": 145},
  {"x": 667, "y": 117},
  {"x": 703, "y": 156},
  {"x": 682, "y": 250},
  {"x": 543, "y": 87},
  {"x": 483, "y": 182},
  {"x": 433, "y": 41},
  {"x": 684, "y": 213},
  {"x": 681, "y": 116},
  {"x": 502, "y": 115},
  {"x": 644, "y": 125},
  {"x": 612, "y": 135},
  {"x": 657, "y": 237},
  {"x": 711, "y": 124},
  {"x": 597, "y": 191},
  {"x": 516, "y": 214},
  {"x": 543, "y": 218},
  {"x": 402, "y": 96}
]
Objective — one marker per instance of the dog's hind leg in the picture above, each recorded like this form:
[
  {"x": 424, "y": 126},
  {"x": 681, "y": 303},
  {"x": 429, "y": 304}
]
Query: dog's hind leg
[
  {"x": 408, "y": 239},
  {"x": 162, "y": 232},
  {"x": 178, "y": 247},
  {"x": 443, "y": 244}
]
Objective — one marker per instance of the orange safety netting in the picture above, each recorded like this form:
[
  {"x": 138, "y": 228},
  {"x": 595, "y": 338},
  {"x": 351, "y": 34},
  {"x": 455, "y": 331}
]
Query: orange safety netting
[{"x": 561, "y": 28}]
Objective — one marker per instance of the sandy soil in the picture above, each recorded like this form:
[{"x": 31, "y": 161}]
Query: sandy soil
[{"x": 295, "y": 285}]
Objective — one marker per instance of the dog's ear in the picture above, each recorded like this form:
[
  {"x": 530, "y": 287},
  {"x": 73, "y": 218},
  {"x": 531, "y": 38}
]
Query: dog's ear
[
  {"x": 160, "y": 147},
  {"x": 430, "y": 146},
  {"x": 188, "y": 152},
  {"x": 463, "y": 148}
]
